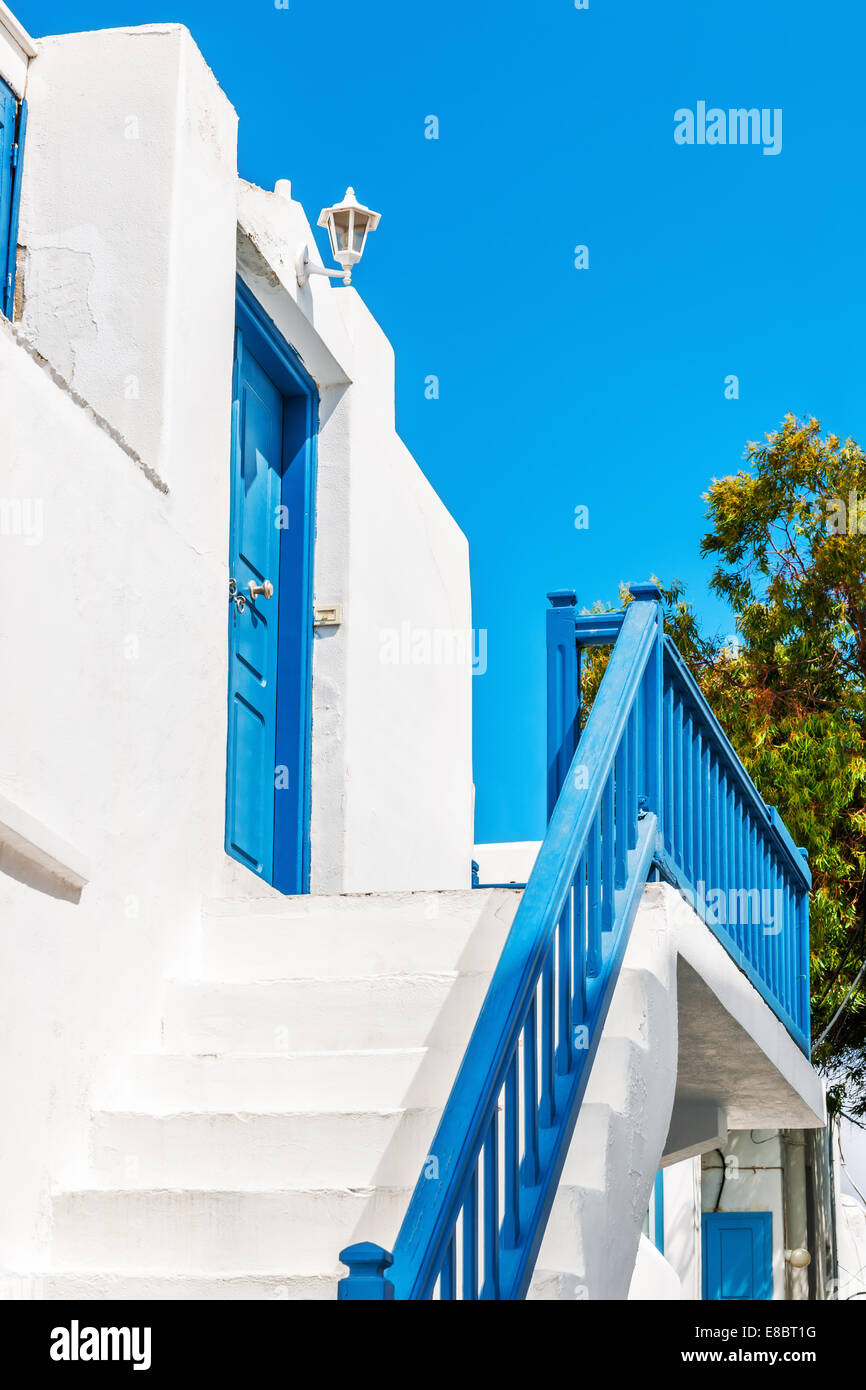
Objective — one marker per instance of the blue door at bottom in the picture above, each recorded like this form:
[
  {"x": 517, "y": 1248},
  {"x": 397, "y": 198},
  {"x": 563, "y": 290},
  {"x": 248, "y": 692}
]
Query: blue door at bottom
[
  {"x": 737, "y": 1255},
  {"x": 270, "y": 609}
]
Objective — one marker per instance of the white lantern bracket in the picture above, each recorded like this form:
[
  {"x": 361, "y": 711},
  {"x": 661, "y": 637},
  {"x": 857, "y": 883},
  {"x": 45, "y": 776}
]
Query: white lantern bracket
[{"x": 304, "y": 268}]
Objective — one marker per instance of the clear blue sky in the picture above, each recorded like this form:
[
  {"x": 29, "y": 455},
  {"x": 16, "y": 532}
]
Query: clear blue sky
[{"x": 561, "y": 387}]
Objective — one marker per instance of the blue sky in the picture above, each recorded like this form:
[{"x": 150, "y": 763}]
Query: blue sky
[{"x": 558, "y": 387}]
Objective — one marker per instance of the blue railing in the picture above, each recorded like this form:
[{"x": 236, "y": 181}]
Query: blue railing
[
  {"x": 651, "y": 781},
  {"x": 732, "y": 855}
]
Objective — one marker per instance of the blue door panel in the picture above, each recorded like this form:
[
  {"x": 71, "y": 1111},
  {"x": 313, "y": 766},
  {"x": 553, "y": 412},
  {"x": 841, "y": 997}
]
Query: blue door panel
[
  {"x": 737, "y": 1255},
  {"x": 270, "y": 640},
  {"x": 255, "y": 557},
  {"x": 8, "y": 171},
  {"x": 248, "y": 739}
]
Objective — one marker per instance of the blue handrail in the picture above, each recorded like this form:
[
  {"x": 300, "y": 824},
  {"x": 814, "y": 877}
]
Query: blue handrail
[{"x": 652, "y": 780}]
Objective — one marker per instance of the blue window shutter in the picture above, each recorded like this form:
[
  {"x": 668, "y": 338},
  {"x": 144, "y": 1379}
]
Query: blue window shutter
[
  {"x": 12, "y": 125},
  {"x": 737, "y": 1255}
]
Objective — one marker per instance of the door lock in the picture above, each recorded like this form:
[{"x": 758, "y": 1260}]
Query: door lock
[{"x": 265, "y": 590}]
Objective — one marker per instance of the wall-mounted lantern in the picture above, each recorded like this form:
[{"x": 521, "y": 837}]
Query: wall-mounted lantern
[{"x": 348, "y": 223}]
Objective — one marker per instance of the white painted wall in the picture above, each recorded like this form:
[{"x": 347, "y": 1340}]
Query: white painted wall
[
  {"x": 110, "y": 748},
  {"x": 128, "y": 225},
  {"x": 509, "y": 862},
  {"x": 756, "y": 1165},
  {"x": 128, "y": 216},
  {"x": 115, "y": 390},
  {"x": 654, "y": 1278},
  {"x": 850, "y": 1220},
  {"x": 682, "y": 1189},
  {"x": 115, "y": 539},
  {"x": 851, "y": 1247}
]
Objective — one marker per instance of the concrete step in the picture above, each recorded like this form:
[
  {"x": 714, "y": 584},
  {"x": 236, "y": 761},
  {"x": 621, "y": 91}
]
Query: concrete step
[
  {"x": 149, "y": 1288},
  {"x": 172, "y": 1083},
  {"x": 319, "y": 1015},
  {"x": 261, "y": 1151},
  {"x": 197, "y": 1233},
  {"x": 357, "y": 935},
  {"x": 552, "y": 1286}
]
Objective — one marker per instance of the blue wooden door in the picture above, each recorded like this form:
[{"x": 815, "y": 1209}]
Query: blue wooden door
[
  {"x": 275, "y": 411},
  {"x": 9, "y": 186},
  {"x": 257, "y": 468},
  {"x": 737, "y": 1255}
]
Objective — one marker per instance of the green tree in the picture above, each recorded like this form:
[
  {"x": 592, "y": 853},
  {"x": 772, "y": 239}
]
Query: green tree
[{"x": 790, "y": 692}]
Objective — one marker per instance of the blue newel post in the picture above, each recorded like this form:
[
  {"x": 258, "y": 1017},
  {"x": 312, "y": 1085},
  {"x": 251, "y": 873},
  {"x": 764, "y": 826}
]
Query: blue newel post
[
  {"x": 366, "y": 1278},
  {"x": 653, "y": 792},
  {"x": 563, "y": 690}
]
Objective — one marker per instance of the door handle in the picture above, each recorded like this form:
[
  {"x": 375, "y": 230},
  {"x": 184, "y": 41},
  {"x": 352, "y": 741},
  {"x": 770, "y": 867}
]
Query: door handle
[{"x": 265, "y": 590}]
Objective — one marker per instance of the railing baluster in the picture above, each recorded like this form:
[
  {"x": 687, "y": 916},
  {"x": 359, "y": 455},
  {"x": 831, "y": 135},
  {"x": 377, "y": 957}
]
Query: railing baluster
[
  {"x": 613, "y": 836},
  {"x": 763, "y": 957},
  {"x": 697, "y": 806},
  {"x": 688, "y": 832},
  {"x": 470, "y": 1240},
  {"x": 593, "y": 925},
  {"x": 743, "y": 874},
  {"x": 706, "y": 817},
  {"x": 579, "y": 947},
  {"x": 726, "y": 854},
  {"x": 803, "y": 966},
  {"x": 668, "y": 764},
  {"x": 724, "y": 873},
  {"x": 778, "y": 935},
  {"x": 775, "y": 934},
  {"x": 448, "y": 1275},
  {"x": 511, "y": 1221},
  {"x": 777, "y": 908},
  {"x": 734, "y": 905},
  {"x": 612, "y": 840},
  {"x": 548, "y": 1037},
  {"x": 783, "y": 901},
  {"x": 765, "y": 904},
  {"x": 761, "y": 951},
  {"x": 564, "y": 1009},
  {"x": 530, "y": 1096},
  {"x": 714, "y": 828},
  {"x": 678, "y": 806},
  {"x": 633, "y": 789},
  {"x": 490, "y": 1289}
]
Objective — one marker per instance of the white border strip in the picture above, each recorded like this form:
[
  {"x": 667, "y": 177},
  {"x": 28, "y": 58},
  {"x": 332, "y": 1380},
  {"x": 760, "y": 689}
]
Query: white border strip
[
  {"x": 16, "y": 31},
  {"x": 40, "y": 846}
]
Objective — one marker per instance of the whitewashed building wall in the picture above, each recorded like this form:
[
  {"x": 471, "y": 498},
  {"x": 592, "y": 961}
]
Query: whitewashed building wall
[{"x": 115, "y": 396}]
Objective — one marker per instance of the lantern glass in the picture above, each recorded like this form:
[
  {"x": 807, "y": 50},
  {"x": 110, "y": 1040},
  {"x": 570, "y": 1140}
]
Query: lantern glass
[
  {"x": 340, "y": 225},
  {"x": 360, "y": 231}
]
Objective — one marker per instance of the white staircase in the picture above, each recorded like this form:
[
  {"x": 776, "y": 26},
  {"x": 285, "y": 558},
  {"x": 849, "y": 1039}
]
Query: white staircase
[{"x": 304, "y": 1070}]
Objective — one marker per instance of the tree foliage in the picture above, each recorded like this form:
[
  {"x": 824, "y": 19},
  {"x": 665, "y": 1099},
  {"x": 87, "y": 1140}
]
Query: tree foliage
[{"x": 789, "y": 688}]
